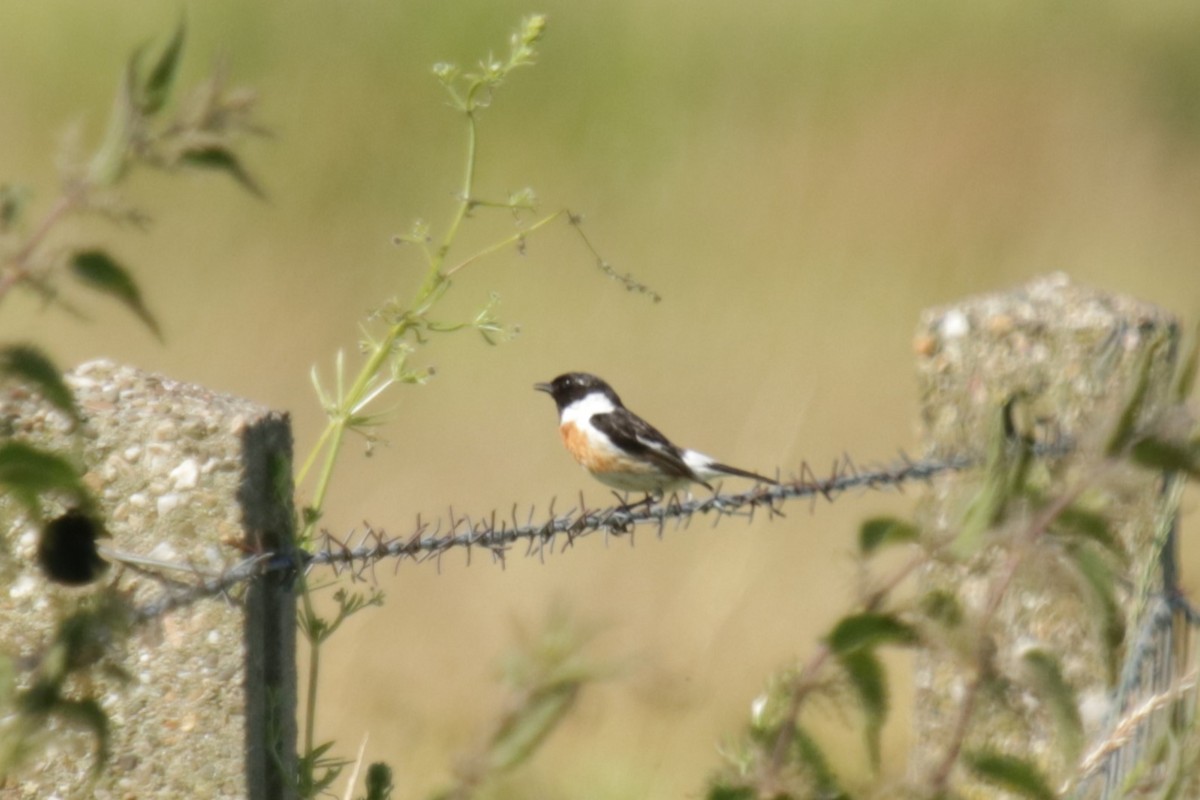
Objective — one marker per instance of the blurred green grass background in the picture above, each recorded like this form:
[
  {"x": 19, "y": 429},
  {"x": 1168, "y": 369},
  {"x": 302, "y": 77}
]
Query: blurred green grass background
[{"x": 798, "y": 179}]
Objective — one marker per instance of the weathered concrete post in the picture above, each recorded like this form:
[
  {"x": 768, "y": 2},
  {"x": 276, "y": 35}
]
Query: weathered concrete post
[
  {"x": 1072, "y": 354},
  {"x": 201, "y": 701}
]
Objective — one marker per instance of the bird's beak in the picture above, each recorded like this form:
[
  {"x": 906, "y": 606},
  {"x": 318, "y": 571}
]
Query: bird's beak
[{"x": 544, "y": 387}]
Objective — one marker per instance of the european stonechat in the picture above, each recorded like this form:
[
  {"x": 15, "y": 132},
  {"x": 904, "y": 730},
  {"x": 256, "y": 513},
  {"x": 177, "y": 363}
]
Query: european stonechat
[{"x": 620, "y": 448}]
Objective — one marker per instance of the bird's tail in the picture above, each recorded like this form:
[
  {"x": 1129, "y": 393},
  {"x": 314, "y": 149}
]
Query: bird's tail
[
  {"x": 741, "y": 473},
  {"x": 708, "y": 469}
]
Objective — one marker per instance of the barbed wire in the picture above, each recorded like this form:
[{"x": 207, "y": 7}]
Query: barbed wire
[
  {"x": 359, "y": 551},
  {"x": 180, "y": 596}
]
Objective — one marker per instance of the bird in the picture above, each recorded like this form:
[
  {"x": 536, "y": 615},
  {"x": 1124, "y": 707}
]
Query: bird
[{"x": 622, "y": 450}]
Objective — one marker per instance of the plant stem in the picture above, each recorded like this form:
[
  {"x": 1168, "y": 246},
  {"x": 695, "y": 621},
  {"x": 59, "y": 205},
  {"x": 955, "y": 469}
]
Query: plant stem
[
  {"x": 314, "y": 668},
  {"x": 346, "y": 411},
  {"x": 18, "y": 268},
  {"x": 331, "y": 438},
  {"x": 468, "y": 188},
  {"x": 333, "y": 435},
  {"x": 312, "y": 454},
  {"x": 506, "y": 242}
]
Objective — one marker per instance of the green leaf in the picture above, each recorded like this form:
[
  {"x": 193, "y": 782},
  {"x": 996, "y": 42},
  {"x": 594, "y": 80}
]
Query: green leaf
[
  {"x": 97, "y": 269},
  {"x": 27, "y": 364},
  {"x": 318, "y": 772},
  {"x": 320, "y": 750},
  {"x": 869, "y": 630},
  {"x": 379, "y": 781},
  {"x": 809, "y": 754},
  {"x": 720, "y": 792},
  {"x": 867, "y": 676},
  {"x": 884, "y": 531},
  {"x": 1044, "y": 676},
  {"x": 1004, "y": 478},
  {"x": 521, "y": 734},
  {"x": 1185, "y": 375},
  {"x": 1016, "y": 775},
  {"x": 943, "y": 607},
  {"x": 13, "y": 200},
  {"x": 223, "y": 160},
  {"x": 28, "y": 472},
  {"x": 1099, "y": 578},
  {"x": 110, "y": 162},
  {"x": 8, "y": 676},
  {"x": 1125, "y": 429},
  {"x": 157, "y": 88},
  {"x": 91, "y": 715},
  {"x": 1090, "y": 526},
  {"x": 854, "y": 641},
  {"x": 1164, "y": 454}
]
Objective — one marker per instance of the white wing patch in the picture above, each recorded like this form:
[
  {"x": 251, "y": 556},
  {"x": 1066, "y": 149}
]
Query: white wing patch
[{"x": 699, "y": 464}]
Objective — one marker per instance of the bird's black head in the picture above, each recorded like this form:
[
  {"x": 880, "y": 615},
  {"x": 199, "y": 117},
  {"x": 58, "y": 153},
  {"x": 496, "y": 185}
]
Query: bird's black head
[{"x": 572, "y": 386}]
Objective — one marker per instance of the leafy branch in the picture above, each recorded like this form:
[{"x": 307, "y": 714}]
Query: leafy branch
[
  {"x": 404, "y": 325},
  {"x": 202, "y": 135}
]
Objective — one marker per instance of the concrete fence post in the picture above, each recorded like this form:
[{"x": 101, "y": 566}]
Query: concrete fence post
[
  {"x": 1072, "y": 355},
  {"x": 201, "y": 701}
]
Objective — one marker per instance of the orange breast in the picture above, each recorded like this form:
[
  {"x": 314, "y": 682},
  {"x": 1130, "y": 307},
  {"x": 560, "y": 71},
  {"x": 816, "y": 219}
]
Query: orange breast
[{"x": 592, "y": 458}]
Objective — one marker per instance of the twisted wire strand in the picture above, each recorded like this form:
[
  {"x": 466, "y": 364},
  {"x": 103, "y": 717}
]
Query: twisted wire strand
[{"x": 359, "y": 551}]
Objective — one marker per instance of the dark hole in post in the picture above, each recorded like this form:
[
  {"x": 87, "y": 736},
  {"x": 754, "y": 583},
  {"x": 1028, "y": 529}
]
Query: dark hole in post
[{"x": 67, "y": 549}]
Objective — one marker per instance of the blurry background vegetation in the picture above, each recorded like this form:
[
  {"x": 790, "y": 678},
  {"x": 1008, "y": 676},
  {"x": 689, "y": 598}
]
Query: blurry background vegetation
[{"x": 798, "y": 179}]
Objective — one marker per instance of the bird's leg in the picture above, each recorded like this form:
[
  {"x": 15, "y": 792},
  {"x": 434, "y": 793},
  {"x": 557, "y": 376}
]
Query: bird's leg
[{"x": 626, "y": 505}]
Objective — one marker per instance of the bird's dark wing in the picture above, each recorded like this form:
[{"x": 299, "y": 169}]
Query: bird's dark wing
[{"x": 637, "y": 437}]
